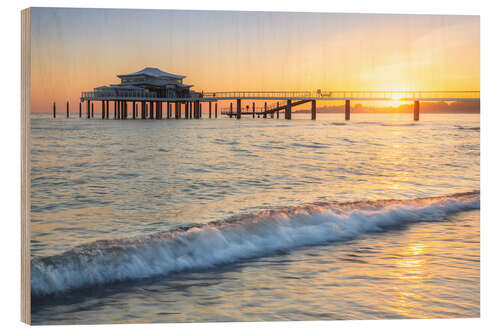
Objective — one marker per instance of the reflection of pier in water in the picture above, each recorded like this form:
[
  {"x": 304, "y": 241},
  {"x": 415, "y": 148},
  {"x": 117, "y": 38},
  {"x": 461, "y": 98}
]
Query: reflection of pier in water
[{"x": 151, "y": 106}]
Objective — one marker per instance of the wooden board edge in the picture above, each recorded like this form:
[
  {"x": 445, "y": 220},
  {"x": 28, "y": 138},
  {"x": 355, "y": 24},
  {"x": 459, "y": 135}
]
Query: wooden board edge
[{"x": 25, "y": 165}]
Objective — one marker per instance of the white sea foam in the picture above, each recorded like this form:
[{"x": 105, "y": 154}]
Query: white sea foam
[{"x": 235, "y": 239}]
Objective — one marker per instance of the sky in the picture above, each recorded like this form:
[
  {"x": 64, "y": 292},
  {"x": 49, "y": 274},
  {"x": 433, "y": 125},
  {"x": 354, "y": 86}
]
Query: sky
[{"x": 75, "y": 50}]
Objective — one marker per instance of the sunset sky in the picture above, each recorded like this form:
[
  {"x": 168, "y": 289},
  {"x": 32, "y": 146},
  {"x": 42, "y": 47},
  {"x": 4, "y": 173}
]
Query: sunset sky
[{"x": 75, "y": 50}]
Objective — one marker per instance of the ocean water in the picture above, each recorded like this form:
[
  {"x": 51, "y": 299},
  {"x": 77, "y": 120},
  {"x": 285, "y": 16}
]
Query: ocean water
[{"x": 255, "y": 219}]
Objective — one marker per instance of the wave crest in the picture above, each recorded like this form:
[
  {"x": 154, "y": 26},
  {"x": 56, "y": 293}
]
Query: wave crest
[{"x": 240, "y": 237}]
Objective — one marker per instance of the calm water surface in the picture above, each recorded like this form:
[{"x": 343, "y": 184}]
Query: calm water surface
[{"x": 265, "y": 219}]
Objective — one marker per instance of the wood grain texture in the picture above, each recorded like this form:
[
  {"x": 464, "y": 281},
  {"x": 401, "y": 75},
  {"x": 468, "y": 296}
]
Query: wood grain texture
[{"x": 25, "y": 165}]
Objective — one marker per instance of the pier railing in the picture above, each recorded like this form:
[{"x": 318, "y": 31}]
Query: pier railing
[
  {"x": 294, "y": 95},
  {"x": 258, "y": 94},
  {"x": 345, "y": 95},
  {"x": 116, "y": 93}
]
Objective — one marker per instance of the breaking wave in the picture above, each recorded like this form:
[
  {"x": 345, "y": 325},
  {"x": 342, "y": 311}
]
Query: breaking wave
[{"x": 237, "y": 238}]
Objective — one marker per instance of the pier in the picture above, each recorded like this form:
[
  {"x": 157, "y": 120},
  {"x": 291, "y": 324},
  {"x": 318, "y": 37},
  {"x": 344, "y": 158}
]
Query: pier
[
  {"x": 273, "y": 102},
  {"x": 152, "y": 90}
]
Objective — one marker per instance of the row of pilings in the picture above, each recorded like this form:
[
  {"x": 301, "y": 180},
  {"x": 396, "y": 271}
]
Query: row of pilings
[
  {"x": 268, "y": 110},
  {"x": 193, "y": 109},
  {"x": 143, "y": 109},
  {"x": 274, "y": 110}
]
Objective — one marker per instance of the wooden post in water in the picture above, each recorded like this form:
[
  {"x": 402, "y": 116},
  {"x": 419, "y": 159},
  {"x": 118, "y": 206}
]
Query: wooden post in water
[
  {"x": 133, "y": 109},
  {"x": 200, "y": 110},
  {"x": 277, "y": 110},
  {"x": 103, "y": 109},
  {"x": 215, "y": 110},
  {"x": 186, "y": 110},
  {"x": 92, "y": 110},
  {"x": 265, "y": 111},
  {"x": 107, "y": 109},
  {"x": 168, "y": 110},
  {"x": 53, "y": 109},
  {"x": 288, "y": 110},
  {"x": 238, "y": 109},
  {"x": 416, "y": 110},
  {"x": 80, "y": 109},
  {"x": 119, "y": 106},
  {"x": 67, "y": 109},
  {"x": 151, "y": 110},
  {"x": 347, "y": 109},
  {"x": 210, "y": 110},
  {"x": 190, "y": 110},
  {"x": 313, "y": 109},
  {"x": 230, "y": 110},
  {"x": 253, "y": 109}
]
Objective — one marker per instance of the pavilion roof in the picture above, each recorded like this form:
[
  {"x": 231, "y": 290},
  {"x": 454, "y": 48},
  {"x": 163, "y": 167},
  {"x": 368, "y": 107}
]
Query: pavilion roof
[{"x": 153, "y": 72}]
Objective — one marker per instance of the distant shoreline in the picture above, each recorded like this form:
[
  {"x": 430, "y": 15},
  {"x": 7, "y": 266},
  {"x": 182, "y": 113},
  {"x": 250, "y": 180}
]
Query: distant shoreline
[{"x": 331, "y": 112}]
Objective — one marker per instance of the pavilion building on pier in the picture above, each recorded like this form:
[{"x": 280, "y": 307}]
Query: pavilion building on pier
[{"x": 151, "y": 82}]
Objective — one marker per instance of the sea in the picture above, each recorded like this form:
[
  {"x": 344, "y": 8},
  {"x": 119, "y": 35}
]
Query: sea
[{"x": 205, "y": 220}]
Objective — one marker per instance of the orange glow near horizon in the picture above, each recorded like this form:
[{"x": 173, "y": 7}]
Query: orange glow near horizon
[{"x": 75, "y": 50}]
